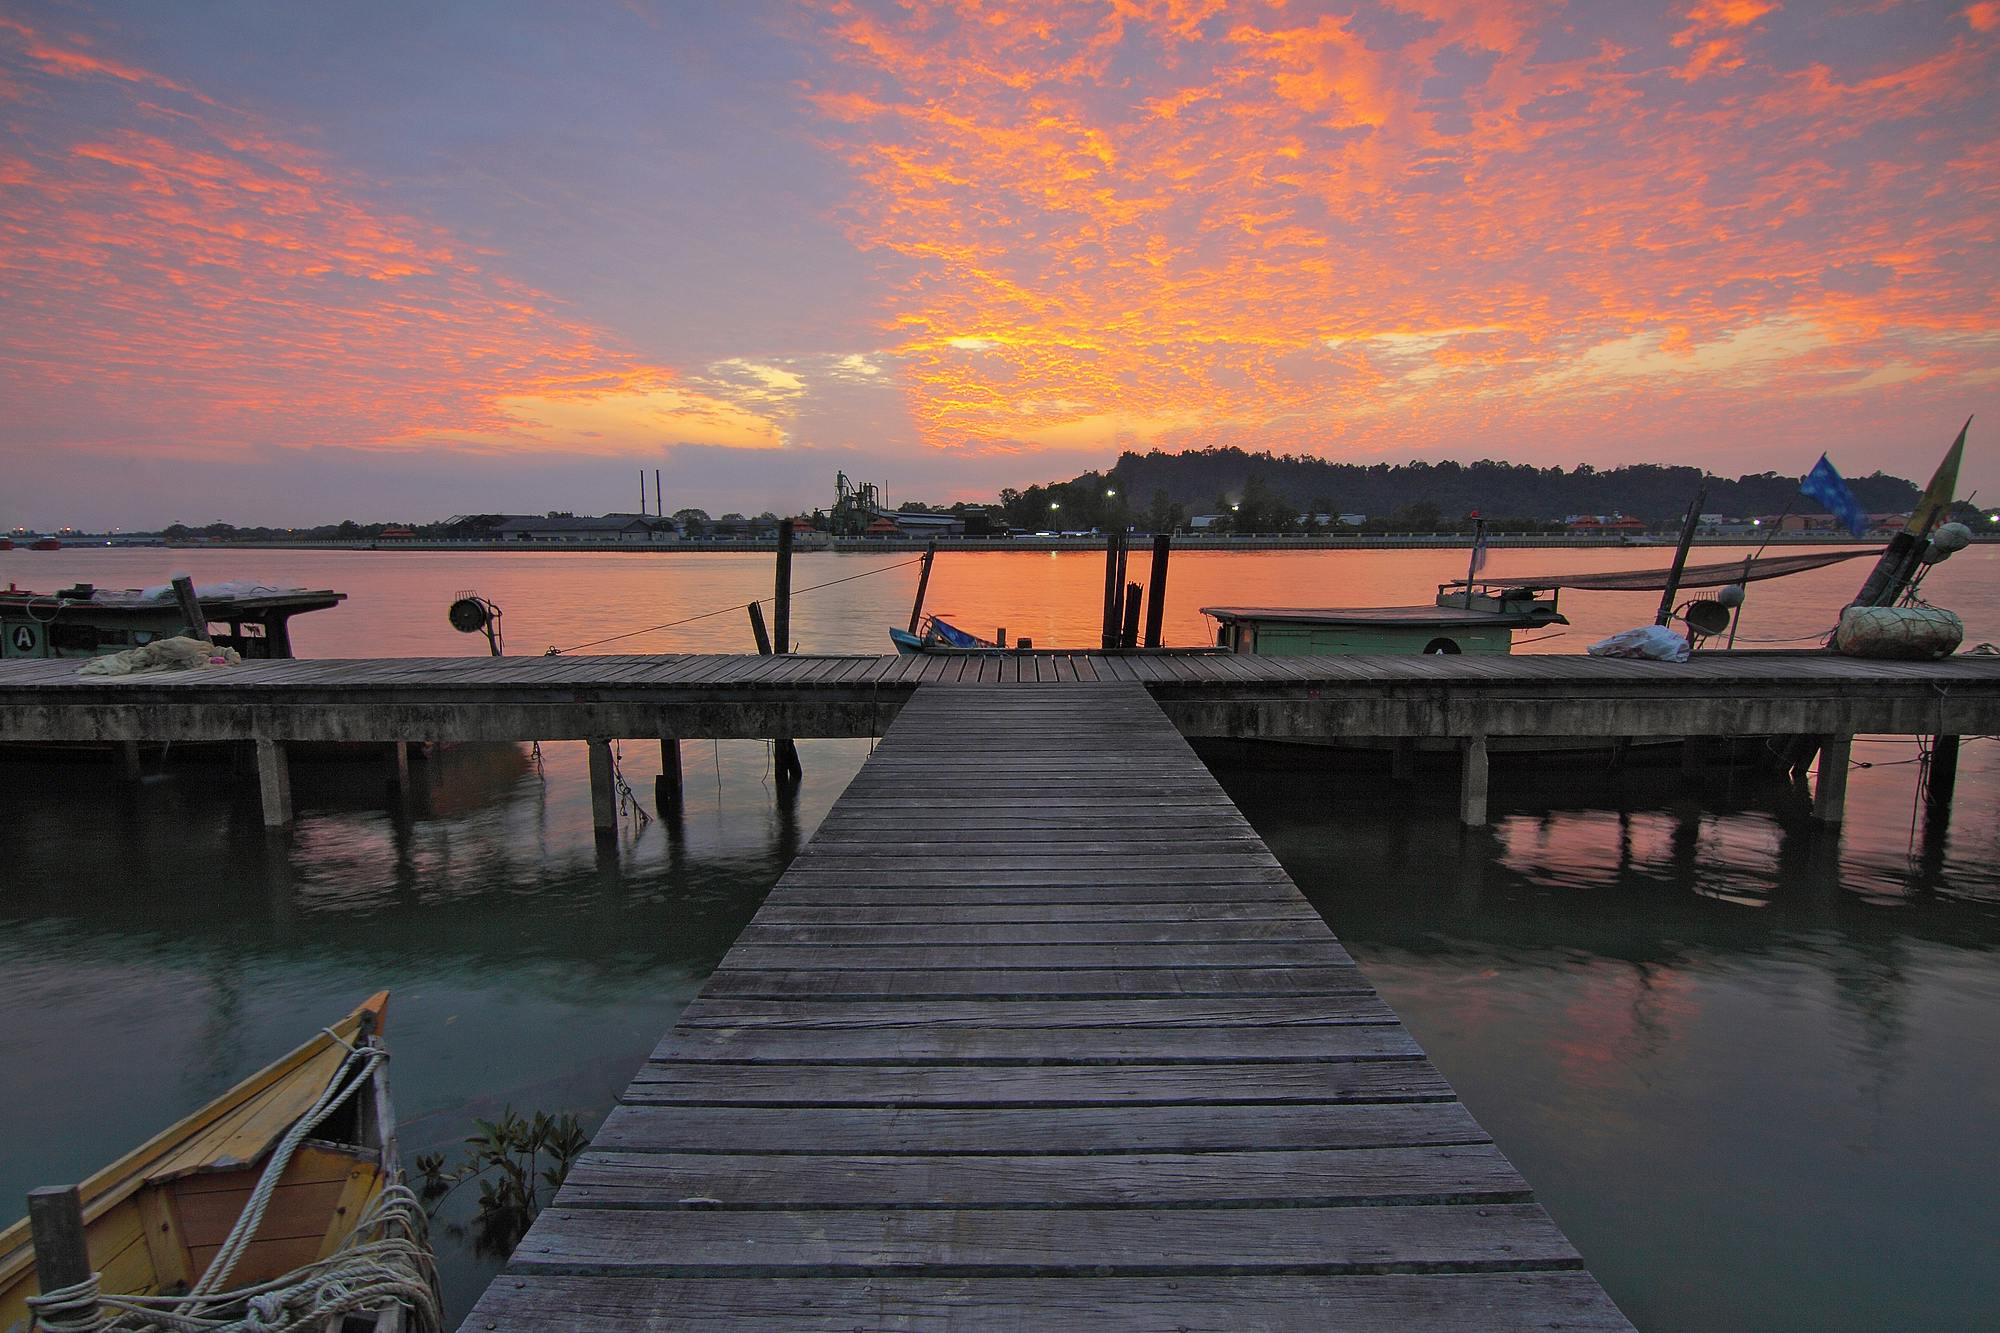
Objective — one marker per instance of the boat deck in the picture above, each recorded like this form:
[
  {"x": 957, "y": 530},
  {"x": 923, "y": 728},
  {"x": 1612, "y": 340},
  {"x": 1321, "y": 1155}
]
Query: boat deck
[{"x": 1036, "y": 1033}]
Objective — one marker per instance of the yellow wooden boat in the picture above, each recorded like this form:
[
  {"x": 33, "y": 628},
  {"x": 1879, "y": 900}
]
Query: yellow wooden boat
[{"x": 287, "y": 1190}]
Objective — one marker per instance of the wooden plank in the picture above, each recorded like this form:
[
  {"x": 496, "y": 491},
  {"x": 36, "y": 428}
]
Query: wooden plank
[
  {"x": 973, "y": 1086},
  {"x": 1436, "y": 1302},
  {"x": 1042, "y": 1242},
  {"x": 1470, "y": 1173},
  {"x": 734, "y": 978},
  {"x": 968, "y": 1045},
  {"x": 918, "y": 1015}
]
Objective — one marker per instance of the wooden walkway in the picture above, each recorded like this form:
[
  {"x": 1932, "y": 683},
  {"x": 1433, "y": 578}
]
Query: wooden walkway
[{"x": 1035, "y": 1034}]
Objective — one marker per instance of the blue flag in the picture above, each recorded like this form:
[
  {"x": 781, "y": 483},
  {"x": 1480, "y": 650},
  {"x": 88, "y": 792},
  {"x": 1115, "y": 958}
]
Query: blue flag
[{"x": 1824, "y": 485}]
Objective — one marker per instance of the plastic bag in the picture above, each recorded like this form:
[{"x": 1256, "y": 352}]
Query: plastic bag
[{"x": 1655, "y": 643}]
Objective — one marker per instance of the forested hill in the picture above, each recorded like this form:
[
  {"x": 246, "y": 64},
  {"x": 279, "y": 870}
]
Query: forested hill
[{"x": 1197, "y": 481}]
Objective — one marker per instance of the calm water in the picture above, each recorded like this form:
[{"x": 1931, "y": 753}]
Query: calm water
[{"x": 1756, "y": 1077}]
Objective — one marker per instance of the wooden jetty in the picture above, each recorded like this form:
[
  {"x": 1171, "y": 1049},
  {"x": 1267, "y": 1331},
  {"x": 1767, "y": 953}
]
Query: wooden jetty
[
  {"x": 1036, "y": 1033},
  {"x": 1466, "y": 700}
]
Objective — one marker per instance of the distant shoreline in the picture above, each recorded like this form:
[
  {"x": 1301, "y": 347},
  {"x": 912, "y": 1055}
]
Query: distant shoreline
[{"x": 1183, "y": 542}]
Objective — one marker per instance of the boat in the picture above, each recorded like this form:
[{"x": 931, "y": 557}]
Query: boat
[
  {"x": 1285, "y": 631},
  {"x": 85, "y": 621},
  {"x": 935, "y": 634},
  {"x": 45, "y": 544},
  {"x": 6, "y": 543},
  {"x": 284, "y": 1194}
]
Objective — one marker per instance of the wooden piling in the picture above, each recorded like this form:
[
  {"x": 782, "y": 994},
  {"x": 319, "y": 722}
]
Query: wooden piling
[
  {"x": 603, "y": 792},
  {"x": 399, "y": 766},
  {"x": 1943, "y": 776},
  {"x": 787, "y": 752},
  {"x": 923, "y": 585},
  {"x": 1830, "y": 789},
  {"x": 781, "y": 595},
  {"x": 129, "y": 769},
  {"x": 1108, "y": 626},
  {"x": 55, "y": 1224},
  {"x": 191, "y": 608},
  {"x": 762, "y": 635},
  {"x": 1472, "y": 782},
  {"x": 1128, "y": 638},
  {"x": 1156, "y": 594},
  {"x": 274, "y": 782},
  {"x": 669, "y": 795}
]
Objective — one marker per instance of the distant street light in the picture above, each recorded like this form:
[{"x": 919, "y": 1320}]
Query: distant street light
[
  {"x": 1108, "y": 493},
  {"x": 1053, "y": 505}
]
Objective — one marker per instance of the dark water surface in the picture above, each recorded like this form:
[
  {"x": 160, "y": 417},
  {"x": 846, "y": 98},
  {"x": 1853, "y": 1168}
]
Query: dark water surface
[{"x": 1754, "y": 1074}]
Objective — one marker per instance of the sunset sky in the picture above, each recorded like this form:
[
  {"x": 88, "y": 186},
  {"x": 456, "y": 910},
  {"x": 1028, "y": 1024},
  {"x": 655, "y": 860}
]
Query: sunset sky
[{"x": 294, "y": 263}]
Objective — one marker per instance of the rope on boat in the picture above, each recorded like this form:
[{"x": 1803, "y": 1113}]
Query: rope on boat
[
  {"x": 705, "y": 615},
  {"x": 385, "y": 1257}
]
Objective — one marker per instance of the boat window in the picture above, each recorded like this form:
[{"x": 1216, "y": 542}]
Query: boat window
[
  {"x": 1442, "y": 646},
  {"x": 74, "y": 638}
]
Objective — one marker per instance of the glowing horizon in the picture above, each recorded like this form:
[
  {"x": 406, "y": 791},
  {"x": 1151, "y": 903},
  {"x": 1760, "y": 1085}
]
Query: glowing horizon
[{"x": 271, "y": 254}]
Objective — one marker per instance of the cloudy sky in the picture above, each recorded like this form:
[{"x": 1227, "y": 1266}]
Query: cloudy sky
[{"x": 297, "y": 262}]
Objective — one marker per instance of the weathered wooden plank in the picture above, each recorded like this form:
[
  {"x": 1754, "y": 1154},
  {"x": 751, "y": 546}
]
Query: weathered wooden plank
[
  {"x": 1275, "y": 953},
  {"x": 1042, "y": 1130},
  {"x": 919, "y": 1014},
  {"x": 1053, "y": 1045},
  {"x": 1469, "y": 1173},
  {"x": 969, "y": 1086},
  {"x": 734, "y": 978},
  {"x": 1438, "y": 1303},
  {"x": 971, "y": 909},
  {"x": 1032, "y": 1241},
  {"x": 1036, "y": 933}
]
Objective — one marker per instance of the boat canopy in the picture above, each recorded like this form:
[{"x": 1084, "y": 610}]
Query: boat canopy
[
  {"x": 1694, "y": 576},
  {"x": 1410, "y": 617}
]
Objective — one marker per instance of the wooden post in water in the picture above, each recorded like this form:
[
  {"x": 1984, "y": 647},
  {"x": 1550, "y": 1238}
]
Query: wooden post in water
[
  {"x": 191, "y": 608},
  {"x": 1943, "y": 775},
  {"x": 1830, "y": 789},
  {"x": 757, "y": 630},
  {"x": 668, "y": 795},
  {"x": 62, "y": 1252},
  {"x": 1156, "y": 595},
  {"x": 1128, "y": 639},
  {"x": 1108, "y": 633},
  {"x": 1472, "y": 782},
  {"x": 399, "y": 761},
  {"x": 781, "y": 596},
  {"x": 787, "y": 752},
  {"x": 603, "y": 792},
  {"x": 923, "y": 585},
  {"x": 274, "y": 782}
]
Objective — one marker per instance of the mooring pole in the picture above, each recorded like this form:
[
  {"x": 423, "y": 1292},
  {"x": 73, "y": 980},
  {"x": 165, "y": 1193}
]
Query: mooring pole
[
  {"x": 1472, "y": 782},
  {"x": 781, "y": 596},
  {"x": 763, "y": 635},
  {"x": 923, "y": 585},
  {"x": 274, "y": 782},
  {"x": 1673, "y": 587},
  {"x": 55, "y": 1224},
  {"x": 1108, "y": 629},
  {"x": 668, "y": 795},
  {"x": 191, "y": 608},
  {"x": 1129, "y": 638},
  {"x": 1156, "y": 595}
]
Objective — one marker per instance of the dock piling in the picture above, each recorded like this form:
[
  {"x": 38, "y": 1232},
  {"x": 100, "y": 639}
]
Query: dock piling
[
  {"x": 781, "y": 592},
  {"x": 1830, "y": 788},
  {"x": 191, "y": 608},
  {"x": 1156, "y": 593},
  {"x": 129, "y": 770},
  {"x": 1942, "y": 778},
  {"x": 1128, "y": 637},
  {"x": 62, "y": 1253},
  {"x": 923, "y": 585},
  {"x": 603, "y": 793},
  {"x": 669, "y": 796},
  {"x": 1472, "y": 782},
  {"x": 274, "y": 782}
]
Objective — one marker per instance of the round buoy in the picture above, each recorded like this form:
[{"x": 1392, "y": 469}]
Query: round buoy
[{"x": 1731, "y": 596}]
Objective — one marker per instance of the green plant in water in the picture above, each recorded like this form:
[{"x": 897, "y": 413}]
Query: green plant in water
[{"x": 513, "y": 1159}]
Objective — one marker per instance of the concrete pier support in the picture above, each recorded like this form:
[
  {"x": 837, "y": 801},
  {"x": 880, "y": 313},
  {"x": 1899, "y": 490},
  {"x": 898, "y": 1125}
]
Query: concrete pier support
[
  {"x": 1943, "y": 777},
  {"x": 274, "y": 782},
  {"x": 1830, "y": 789},
  {"x": 1472, "y": 782},
  {"x": 603, "y": 795}
]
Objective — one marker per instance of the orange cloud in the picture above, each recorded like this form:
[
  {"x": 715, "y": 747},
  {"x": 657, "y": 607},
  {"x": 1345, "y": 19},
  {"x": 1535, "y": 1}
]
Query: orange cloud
[
  {"x": 187, "y": 280},
  {"x": 1314, "y": 231}
]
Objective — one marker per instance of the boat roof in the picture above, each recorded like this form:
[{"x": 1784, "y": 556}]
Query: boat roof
[
  {"x": 1449, "y": 617},
  {"x": 1694, "y": 576},
  {"x": 128, "y": 602}
]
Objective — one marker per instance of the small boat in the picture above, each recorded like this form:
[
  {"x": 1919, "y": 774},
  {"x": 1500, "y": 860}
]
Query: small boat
[
  {"x": 936, "y": 634},
  {"x": 284, "y": 1197},
  {"x": 1286, "y": 631},
  {"x": 85, "y": 621},
  {"x": 6, "y": 543},
  {"x": 45, "y": 544}
]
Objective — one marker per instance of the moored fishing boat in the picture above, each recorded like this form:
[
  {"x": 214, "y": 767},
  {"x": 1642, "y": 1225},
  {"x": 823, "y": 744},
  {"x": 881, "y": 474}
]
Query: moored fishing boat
[
  {"x": 85, "y": 621},
  {"x": 279, "y": 1205}
]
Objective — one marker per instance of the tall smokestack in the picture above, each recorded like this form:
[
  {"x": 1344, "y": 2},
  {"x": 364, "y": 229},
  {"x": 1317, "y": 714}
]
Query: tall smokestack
[
  {"x": 659, "y": 505},
  {"x": 642, "y": 491}
]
